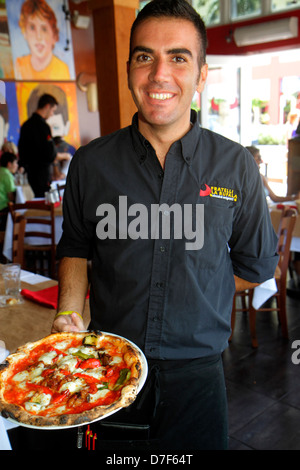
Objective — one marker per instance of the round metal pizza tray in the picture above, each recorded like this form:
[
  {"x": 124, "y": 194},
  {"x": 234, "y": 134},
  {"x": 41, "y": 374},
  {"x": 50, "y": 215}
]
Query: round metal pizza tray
[{"x": 141, "y": 384}]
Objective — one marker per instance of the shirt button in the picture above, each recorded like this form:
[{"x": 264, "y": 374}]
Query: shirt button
[
  {"x": 162, "y": 249},
  {"x": 160, "y": 285}
]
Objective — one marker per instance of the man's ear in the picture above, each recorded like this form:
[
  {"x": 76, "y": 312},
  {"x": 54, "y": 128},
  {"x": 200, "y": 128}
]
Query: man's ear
[{"x": 202, "y": 78}]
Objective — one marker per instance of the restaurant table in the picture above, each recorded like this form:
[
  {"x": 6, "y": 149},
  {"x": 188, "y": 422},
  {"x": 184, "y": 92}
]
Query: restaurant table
[
  {"x": 24, "y": 191},
  {"x": 26, "y": 322}
]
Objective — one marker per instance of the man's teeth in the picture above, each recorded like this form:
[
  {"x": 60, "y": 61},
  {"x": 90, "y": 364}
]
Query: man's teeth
[{"x": 160, "y": 96}]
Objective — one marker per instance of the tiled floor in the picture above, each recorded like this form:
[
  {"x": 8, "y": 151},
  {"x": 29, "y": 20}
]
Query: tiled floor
[{"x": 263, "y": 384}]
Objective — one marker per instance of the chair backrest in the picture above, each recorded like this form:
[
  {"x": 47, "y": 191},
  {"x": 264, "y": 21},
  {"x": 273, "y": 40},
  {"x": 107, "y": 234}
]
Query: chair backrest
[
  {"x": 18, "y": 240},
  {"x": 36, "y": 212},
  {"x": 60, "y": 188},
  {"x": 285, "y": 231}
]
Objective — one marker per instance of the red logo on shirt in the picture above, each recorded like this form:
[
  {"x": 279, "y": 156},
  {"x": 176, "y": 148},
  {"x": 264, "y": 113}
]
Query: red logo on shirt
[{"x": 206, "y": 191}]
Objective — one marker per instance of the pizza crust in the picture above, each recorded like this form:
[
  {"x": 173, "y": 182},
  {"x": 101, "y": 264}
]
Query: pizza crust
[{"x": 129, "y": 391}]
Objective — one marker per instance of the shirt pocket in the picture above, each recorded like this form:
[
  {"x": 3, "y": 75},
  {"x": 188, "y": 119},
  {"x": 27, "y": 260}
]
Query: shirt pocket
[{"x": 216, "y": 232}]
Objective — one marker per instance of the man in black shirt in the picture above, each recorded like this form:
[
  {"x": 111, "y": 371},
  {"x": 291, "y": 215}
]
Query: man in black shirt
[
  {"x": 37, "y": 150},
  {"x": 174, "y": 219}
]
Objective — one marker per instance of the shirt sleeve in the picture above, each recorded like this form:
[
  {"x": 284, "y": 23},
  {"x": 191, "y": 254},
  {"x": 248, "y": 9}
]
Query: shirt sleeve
[
  {"x": 78, "y": 233},
  {"x": 10, "y": 184},
  {"x": 253, "y": 242}
]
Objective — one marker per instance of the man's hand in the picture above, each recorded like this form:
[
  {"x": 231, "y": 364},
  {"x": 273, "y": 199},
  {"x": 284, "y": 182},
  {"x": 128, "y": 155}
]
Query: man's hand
[{"x": 68, "y": 323}]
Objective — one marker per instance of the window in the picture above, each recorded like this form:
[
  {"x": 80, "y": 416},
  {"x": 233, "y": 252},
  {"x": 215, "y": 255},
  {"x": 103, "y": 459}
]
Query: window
[
  {"x": 245, "y": 8},
  {"x": 284, "y": 4},
  {"x": 142, "y": 4},
  {"x": 223, "y": 101},
  {"x": 209, "y": 10}
]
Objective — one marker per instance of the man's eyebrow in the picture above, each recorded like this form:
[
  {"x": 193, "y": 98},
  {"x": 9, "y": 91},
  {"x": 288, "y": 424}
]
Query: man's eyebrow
[
  {"x": 177, "y": 50},
  {"x": 180, "y": 50},
  {"x": 142, "y": 49}
]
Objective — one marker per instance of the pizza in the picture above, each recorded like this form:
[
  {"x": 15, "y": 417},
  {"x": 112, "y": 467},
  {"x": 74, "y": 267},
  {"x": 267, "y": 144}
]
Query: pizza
[{"x": 68, "y": 379}]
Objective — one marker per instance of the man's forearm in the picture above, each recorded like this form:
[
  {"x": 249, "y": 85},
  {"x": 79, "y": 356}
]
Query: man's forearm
[
  {"x": 73, "y": 284},
  {"x": 242, "y": 284}
]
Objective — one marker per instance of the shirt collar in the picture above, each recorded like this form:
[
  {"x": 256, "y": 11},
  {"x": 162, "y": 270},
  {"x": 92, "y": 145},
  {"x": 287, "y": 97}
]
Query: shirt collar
[{"x": 188, "y": 142}]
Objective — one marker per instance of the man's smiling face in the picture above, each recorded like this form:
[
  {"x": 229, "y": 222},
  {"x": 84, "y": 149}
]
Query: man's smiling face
[{"x": 164, "y": 71}]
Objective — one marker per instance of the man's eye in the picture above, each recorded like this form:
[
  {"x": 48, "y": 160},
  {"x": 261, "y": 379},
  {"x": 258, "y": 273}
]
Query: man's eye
[
  {"x": 179, "y": 59},
  {"x": 143, "y": 58}
]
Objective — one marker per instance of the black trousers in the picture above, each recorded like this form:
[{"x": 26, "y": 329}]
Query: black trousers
[{"x": 183, "y": 406}]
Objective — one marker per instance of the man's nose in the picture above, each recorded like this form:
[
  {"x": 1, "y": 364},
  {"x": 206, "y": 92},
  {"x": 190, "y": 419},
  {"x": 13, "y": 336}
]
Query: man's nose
[{"x": 159, "y": 71}]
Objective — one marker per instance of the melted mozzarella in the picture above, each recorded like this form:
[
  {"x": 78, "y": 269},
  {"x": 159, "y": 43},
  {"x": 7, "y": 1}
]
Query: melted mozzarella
[
  {"x": 30, "y": 375},
  {"x": 73, "y": 387},
  {"x": 48, "y": 357},
  {"x": 21, "y": 376},
  {"x": 38, "y": 402},
  {"x": 62, "y": 345},
  {"x": 84, "y": 350},
  {"x": 115, "y": 360},
  {"x": 97, "y": 373},
  {"x": 100, "y": 394},
  {"x": 69, "y": 362}
]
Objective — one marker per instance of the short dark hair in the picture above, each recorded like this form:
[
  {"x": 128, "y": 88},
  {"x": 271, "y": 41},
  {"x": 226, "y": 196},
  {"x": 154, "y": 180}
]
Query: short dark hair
[
  {"x": 173, "y": 9},
  {"x": 7, "y": 157},
  {"x": 253, "y": 150},
  {"x": 46, "y": 99}
]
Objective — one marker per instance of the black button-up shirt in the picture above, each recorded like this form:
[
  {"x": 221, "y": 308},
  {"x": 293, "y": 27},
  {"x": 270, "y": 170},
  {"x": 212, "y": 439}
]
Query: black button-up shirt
[{"x": 165, "y": 244}]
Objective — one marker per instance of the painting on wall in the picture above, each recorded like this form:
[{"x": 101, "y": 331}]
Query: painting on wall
[
  {"x": 6, "y": 62},
  {"x": 9, "y": 116},
  {"x": 64, "y": 123},
  {"x": 40, "y": 40}
]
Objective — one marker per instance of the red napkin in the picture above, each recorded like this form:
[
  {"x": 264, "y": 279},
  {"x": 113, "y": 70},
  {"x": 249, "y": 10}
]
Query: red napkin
[
  {"x": 43, "y": 200},
  {"x": 47, "y": 297}
]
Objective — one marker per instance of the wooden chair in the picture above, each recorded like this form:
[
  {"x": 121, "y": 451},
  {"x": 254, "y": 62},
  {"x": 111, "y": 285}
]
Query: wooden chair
[
  {"x": 40, "y": 256},
  {"x": 19, "y": 227},
  {"x": 285, "y": 230},
  {"x": 60, "y": 188}
]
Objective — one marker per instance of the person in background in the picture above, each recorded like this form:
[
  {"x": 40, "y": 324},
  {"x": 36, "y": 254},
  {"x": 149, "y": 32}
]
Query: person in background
[
  {"x": 9, "y": 146},
  {"x": 37, "y": 150},
  {"x": 255, "y": 152},
  {"x": 8, "y": 167},
  {"x": 171, "y": 295}
]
